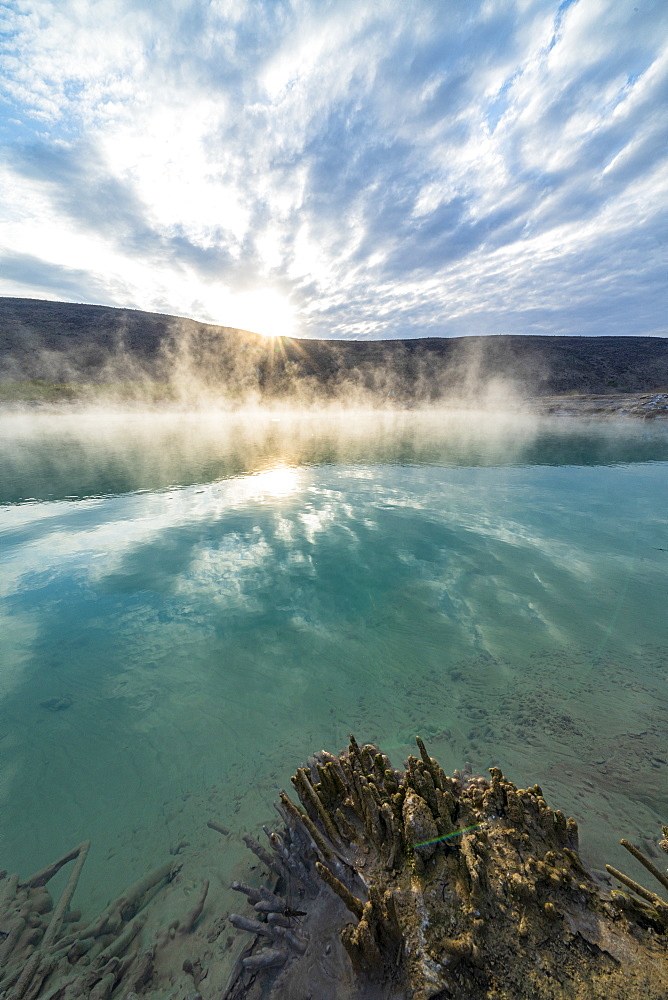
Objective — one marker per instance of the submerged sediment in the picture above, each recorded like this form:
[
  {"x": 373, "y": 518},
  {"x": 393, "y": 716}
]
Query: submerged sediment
[{"x": 382, "y": 884}]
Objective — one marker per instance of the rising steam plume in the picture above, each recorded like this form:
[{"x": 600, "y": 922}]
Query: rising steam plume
[{"x": 152, "y": 357}]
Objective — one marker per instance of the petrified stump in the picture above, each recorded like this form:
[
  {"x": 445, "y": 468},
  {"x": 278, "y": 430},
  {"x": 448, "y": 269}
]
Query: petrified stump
[{"x": 390, "y": 885}]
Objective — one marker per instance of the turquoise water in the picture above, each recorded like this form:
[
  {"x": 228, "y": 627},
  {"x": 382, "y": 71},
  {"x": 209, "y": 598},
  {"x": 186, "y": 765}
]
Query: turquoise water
[{"x": 192, "y": 604}]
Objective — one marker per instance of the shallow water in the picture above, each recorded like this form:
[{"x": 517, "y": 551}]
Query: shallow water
[{"x": 193, "y": 604}]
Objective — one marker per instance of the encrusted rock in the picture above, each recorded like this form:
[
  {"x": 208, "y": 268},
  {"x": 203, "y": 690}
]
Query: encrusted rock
[
  {"x": 419, "y": 825},
  {"x": 503, "y": 908}
]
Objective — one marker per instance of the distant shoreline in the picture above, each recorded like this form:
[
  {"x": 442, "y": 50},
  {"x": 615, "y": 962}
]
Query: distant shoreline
[
  {"x": 36, "y": 395},
  {"x": 646, "y": 405}
]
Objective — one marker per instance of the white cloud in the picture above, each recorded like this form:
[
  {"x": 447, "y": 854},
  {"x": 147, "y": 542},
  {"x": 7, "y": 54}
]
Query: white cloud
[{"x": 377, "y": 169}]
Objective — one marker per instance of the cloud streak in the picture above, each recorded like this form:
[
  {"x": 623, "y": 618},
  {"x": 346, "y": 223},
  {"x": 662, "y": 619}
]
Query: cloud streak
[{"x": 384, "y": 169}]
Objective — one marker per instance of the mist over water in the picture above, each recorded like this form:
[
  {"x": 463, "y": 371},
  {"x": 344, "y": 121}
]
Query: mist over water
[
  {"x": 191, "y": 603},
  {"x": 47, "y": 454}
]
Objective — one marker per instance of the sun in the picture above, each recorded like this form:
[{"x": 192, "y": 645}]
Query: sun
[{"x": 264, "y": 311}]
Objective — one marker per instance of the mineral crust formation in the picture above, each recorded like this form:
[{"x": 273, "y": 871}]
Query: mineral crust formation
[{"x": 412, "y": 885}]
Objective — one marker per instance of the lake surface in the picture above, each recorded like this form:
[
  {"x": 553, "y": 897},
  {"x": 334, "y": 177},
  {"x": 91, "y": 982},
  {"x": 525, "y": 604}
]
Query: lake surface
[{"x": 192, "y": 604}]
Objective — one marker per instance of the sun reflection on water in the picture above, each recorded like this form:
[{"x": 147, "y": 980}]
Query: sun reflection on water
[{"x": 280, "y": 481}]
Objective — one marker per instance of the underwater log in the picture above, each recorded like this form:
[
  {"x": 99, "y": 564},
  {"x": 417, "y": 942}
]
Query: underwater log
[{"x": 49, "y": 956}]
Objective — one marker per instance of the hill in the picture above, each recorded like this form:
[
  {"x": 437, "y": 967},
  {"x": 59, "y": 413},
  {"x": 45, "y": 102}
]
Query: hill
[{"x": 73, "y": 344}]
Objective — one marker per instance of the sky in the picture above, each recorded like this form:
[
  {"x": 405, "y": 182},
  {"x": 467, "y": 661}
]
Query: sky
[{"x": 325, "y": 168}]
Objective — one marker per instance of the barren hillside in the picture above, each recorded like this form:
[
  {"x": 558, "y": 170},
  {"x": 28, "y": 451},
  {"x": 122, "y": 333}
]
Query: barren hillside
[{"x": 72, "y": 343}]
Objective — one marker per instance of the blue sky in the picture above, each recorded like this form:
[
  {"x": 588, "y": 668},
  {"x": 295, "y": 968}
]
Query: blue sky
[{"x": 341, "y": 169}]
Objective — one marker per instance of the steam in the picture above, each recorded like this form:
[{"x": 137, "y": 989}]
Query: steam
[
  {"x": 84, "y": 450},
  {"x": 88, "y": 452},
  {"x": 147, "y": 410},
  {"x": 155, "y": 361}
]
